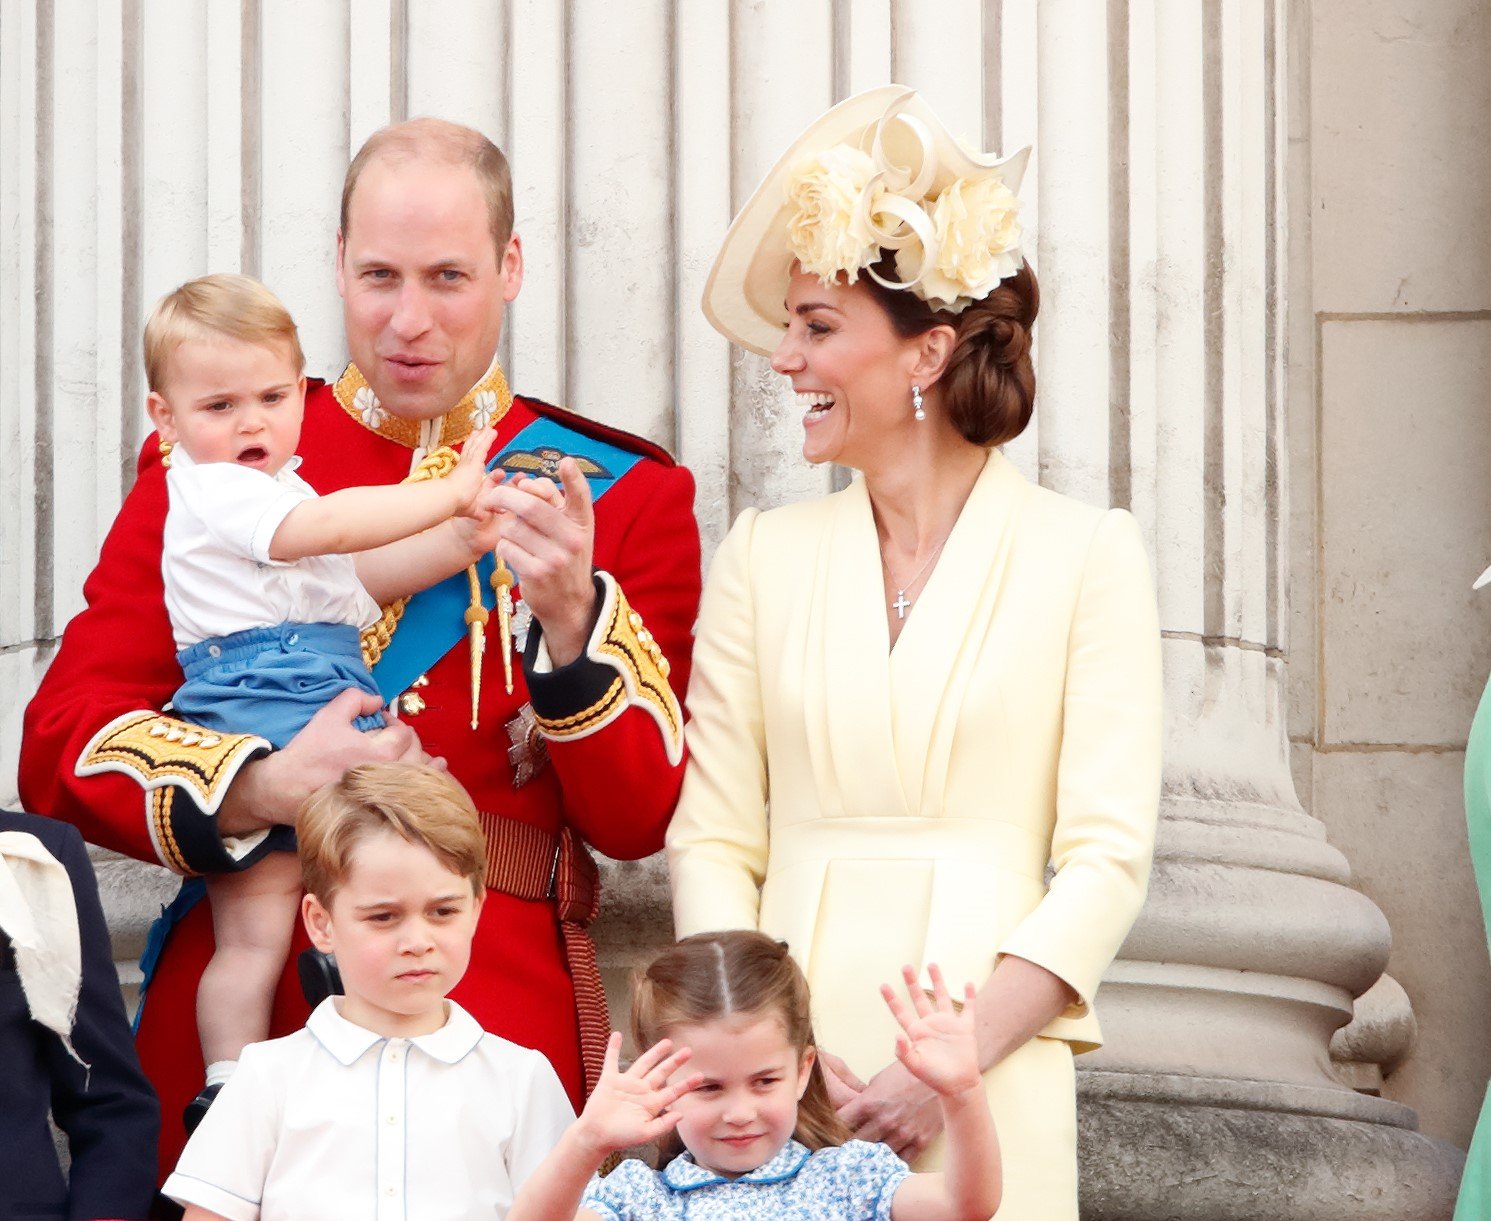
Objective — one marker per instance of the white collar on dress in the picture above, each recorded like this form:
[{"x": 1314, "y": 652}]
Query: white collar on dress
[
  {"x": 685, "y": 1174},
  {"x": 347, "y": 1041}
]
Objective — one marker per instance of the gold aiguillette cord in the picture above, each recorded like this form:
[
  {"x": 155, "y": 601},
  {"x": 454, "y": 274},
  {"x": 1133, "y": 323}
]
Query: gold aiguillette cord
[
  {"x": 502, "y": 586},
  {"x": 476, "y": 623}
]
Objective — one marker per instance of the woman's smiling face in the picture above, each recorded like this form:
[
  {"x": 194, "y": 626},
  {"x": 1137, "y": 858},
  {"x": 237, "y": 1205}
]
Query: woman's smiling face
[{"x": 851, "y": 369}]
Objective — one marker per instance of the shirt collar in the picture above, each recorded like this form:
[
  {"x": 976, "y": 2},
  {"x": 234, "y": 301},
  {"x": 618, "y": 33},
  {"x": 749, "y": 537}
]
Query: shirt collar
[
  {"x": 454, "y": 1041},
  {"x": 685, "y": 1174},
  {"x": 347, "y": 1041}
]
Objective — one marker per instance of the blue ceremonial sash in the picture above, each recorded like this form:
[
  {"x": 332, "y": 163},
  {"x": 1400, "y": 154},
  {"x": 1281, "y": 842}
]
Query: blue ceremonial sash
[{"x": 434, "y": 620}]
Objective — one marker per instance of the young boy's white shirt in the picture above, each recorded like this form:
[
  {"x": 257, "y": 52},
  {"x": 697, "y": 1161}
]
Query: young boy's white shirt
[
  {"x": 337, "y": 1121},
  {"x": 215, "y": 555}
]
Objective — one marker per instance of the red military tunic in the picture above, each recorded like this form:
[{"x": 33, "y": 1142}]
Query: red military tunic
[{"x": 614, "y": 757}]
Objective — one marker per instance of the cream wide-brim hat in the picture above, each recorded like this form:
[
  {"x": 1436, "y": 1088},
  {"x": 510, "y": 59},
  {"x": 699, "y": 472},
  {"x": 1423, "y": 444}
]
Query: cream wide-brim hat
[{"x": 745, "y": 295}]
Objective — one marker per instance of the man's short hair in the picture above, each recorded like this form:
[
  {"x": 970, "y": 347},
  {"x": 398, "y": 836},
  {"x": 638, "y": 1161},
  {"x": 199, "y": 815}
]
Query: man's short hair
[
  {"x": 223, "y": 305},
  {"x": 443, "y": 143},
  {"x": 421, "y": 804}
]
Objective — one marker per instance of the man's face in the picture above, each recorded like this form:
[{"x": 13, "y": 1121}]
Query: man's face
[{"x": 423, "y": 287}]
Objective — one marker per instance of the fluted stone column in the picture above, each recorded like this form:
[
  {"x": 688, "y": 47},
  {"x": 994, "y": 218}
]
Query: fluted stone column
[{"x": 1215, "y": 1095}]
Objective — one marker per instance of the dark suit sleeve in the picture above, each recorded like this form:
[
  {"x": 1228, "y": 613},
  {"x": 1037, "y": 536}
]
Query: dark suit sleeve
[{"x": 108, "y": 1111}]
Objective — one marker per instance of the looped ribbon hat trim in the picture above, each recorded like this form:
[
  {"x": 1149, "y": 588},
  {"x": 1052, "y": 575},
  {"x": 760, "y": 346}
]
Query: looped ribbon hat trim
[{"x": 878, "y": 172}]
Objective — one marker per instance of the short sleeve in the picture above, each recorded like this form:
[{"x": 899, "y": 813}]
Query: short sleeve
[
  {"x": 632, "y": 1190},
  {"x": 226, "y": 1162},
  {"x": 544, "y": 1113},
  {"x": 871, "y": 1174},
  {"x": 238, "y": 506}
]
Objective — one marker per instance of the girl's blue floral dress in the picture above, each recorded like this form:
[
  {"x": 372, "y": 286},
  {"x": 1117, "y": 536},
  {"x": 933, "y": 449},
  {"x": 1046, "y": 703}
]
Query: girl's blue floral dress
[{"x": 851, "y": 1182}]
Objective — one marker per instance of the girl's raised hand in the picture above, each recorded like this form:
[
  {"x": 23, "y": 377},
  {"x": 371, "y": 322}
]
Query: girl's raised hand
[
  {"x": 630, "y": 1108},
  {"x": 938, "y": 1044}
]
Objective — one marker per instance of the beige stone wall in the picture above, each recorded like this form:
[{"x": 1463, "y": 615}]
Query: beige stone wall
[{"x": 1390, "y": 423}]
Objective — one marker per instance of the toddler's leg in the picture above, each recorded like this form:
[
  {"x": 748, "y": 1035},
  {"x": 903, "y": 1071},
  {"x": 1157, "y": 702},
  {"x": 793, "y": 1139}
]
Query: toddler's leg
[{"x": 253, "y": 915}]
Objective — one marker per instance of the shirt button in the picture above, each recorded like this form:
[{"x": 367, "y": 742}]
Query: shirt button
[
  {"x": 294, "y": 637},
  {"x": 393, "y": 1119},
  {"x": 389, "y": 1190},
  {"x": 214, "y": 650}
]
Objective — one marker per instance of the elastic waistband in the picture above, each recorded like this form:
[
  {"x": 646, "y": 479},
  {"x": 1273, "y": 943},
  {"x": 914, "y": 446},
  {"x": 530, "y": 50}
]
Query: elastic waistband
[{"x": 328, "y": 638}]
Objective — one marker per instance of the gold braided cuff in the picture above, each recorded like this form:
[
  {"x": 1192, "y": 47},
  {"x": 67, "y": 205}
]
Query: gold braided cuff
[
  {"x": 621, "y": 642},
  {"x": 165, "y": 755}
]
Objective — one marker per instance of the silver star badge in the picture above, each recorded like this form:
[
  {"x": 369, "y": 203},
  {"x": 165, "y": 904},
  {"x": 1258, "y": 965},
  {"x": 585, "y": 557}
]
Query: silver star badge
[
  {"x": 529, "y": 752},
  {"x": 522, "y": 621}
]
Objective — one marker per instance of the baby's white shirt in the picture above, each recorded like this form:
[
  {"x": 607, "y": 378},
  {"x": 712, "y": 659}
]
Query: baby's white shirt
[{"x": 215, "y": 555}]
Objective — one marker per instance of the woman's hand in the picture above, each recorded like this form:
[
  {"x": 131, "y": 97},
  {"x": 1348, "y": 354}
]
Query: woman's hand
[
  {"x": 895, "y": 1108},
  {"x": 631, "y": 1108},
  {"x": 839, "y": 1079},
  {"x": 938, "y": 1044}
]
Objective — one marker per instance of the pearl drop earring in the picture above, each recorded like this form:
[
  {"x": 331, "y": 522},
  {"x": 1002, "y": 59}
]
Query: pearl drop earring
[{"x": 916, "y": 403}]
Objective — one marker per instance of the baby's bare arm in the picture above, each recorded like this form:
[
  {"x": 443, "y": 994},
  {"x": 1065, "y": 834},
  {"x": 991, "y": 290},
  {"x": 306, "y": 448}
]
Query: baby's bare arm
[{"x": 358, "y": 519}]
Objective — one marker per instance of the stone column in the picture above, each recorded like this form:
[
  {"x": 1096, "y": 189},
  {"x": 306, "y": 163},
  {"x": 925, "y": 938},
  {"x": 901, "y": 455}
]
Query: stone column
[{"x": 1215, "y": 1095}]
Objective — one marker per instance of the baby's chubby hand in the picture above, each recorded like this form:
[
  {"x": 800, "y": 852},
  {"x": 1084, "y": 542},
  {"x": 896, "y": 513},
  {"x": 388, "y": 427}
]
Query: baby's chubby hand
[
  {"x": 631, "y": 1108},
  {"x": 469, "y": 478},
  {"x": 938, "y": 1044}
]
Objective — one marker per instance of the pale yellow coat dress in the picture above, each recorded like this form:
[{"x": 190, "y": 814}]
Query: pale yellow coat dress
[{"x": 873, "y": 807}]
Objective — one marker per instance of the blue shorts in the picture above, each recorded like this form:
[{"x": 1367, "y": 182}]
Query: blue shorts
[{"x": 271, "y": 680}]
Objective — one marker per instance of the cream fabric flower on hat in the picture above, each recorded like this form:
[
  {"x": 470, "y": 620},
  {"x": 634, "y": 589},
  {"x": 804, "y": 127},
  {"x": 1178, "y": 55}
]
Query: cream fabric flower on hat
[
  {"x": 886, "y": 151},
  {"x": 978, "y": 230},
  {"x": 828, "y": 233}
]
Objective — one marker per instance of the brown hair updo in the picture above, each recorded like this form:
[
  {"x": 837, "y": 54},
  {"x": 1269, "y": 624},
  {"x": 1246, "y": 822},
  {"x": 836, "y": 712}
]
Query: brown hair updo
[{"x": 988, "y": 388}]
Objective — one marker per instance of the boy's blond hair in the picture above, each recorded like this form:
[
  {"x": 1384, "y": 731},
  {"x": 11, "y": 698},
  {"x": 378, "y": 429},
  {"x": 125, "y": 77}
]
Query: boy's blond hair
[
  {"x": 226, "y": 305},
  {"x": 420, "y": 804}
]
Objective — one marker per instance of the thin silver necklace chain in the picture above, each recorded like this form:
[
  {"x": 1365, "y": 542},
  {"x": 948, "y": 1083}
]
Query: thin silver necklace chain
[{"x": 902, "y": 602}]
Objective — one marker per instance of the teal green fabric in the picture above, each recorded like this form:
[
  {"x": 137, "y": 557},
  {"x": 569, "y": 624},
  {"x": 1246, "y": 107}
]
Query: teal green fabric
[{"x": 1475, "y": 1188}]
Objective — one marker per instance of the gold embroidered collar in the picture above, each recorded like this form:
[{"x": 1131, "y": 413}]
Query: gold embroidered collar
[{"x": 484, "y": 404}]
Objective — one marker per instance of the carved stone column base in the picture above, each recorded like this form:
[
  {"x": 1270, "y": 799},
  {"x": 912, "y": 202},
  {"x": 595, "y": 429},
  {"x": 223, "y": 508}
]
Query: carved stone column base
[{"x": 1161, "y": 1148}]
